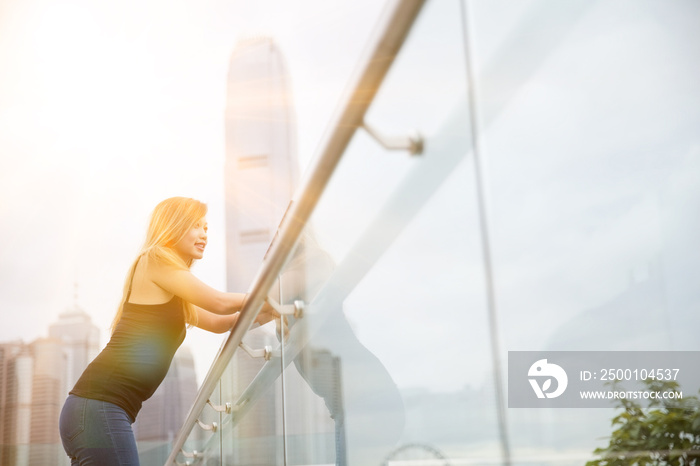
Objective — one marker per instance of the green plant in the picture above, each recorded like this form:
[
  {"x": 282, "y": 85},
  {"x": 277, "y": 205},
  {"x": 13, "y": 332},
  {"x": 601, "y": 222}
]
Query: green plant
[{"x": 667, "y": 433}]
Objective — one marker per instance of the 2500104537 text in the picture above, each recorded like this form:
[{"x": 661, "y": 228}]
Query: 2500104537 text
[{"x": 638, "y": 374}]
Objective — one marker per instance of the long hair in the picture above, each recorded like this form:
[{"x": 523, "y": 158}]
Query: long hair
[{"x": 170, "y": 222}]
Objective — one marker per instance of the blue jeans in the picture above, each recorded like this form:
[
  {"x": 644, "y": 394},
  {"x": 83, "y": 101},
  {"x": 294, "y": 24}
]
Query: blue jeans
[{"x": 96, "y": 433}]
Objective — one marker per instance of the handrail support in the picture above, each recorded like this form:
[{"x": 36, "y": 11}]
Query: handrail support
[
  {"x": 296, "y": 309},
  {"x": 195, "y": 455},
  {"x": 413, "y": 144},
  {"x": 265, "y": 352},
  {"x": 212, "y": 427},
  {"x": 225, "y": 408}
]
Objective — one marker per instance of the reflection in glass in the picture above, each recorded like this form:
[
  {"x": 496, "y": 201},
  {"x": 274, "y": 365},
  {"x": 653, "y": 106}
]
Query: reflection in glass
[{"x": 357, "y": 390}]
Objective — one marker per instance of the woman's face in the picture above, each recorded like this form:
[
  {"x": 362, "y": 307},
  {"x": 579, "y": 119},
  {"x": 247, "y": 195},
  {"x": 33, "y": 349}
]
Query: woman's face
[{"x": 192, "y": 245}]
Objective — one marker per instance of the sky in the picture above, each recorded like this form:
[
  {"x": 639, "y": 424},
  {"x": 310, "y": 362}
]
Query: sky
[{"x": 106, "y": 109}]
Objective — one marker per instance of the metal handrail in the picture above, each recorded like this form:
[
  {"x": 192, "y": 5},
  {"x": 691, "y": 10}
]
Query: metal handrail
[{"x": 390, "y": 33}]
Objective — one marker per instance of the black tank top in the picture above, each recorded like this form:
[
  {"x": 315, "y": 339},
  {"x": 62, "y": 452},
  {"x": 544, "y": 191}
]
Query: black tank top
[{"x": 137, "y": 358}]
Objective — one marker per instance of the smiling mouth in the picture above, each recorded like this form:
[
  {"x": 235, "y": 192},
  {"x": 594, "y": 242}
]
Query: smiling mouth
[{"x": 200, "y": 246}]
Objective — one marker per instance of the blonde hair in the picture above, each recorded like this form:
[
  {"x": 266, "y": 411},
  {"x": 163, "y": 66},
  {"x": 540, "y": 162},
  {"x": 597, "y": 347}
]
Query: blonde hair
[{"x": 170, "y": 222}]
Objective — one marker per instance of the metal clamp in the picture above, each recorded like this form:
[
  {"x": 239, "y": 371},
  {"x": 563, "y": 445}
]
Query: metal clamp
[
  {"x": 225, "y": 408},
  {"x": 296, "y": 309},
  {"x": 299, "y": 307},
  {"x": 212, "y": 427},
  {"x": 413, "y": 144},
  {"x": 265, "y": 352},
  {"x": 195, "y": 455},
  {"x": 186, "y": 463}
]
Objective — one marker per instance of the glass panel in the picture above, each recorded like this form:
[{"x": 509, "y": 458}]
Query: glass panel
[
  {"x": 252, "y": 433},
  {"x": 420, "y": 92},
  {"x": 391, "y": 271},
  {"x": 314, "y": 409},
  {"x": 590, "y": 116},
  {"x": 205, "y": 443}
]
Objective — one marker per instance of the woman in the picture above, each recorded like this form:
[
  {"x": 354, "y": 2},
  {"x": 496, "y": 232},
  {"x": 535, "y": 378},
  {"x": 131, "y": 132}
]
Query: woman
[{"x": 161, "y": 297}]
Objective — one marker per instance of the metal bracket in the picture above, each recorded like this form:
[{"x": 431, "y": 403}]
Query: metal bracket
[
  {"x": 225, "y": 408},
  {"x": 195, "y": 455},
  {"x": 212, "y": 427},
  {"x": 299, "y": 307},
  {"x": 413, "y": 144},
  {"x": 296, "y": 309},
  {"x": 265, "y": 352}
]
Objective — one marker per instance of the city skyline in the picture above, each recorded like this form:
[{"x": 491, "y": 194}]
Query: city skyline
[
  {"x": 36, "y": 376},
  {"x": 35, "y": 380}
]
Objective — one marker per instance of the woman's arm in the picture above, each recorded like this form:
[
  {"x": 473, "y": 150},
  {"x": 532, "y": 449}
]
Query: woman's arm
[
  {"x": 215, "y": 323},
  {"x": 223, "y": 323},
  {"x": 183, "y": 283}
]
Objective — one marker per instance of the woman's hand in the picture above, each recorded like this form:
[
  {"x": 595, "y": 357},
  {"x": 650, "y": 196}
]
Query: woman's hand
[
  {"x": 215, "y": 323},
  {"x": 267, "y": 314}
]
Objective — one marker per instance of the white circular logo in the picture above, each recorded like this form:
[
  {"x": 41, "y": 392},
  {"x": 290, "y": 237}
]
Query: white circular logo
[{"x": 542, "y": 370}]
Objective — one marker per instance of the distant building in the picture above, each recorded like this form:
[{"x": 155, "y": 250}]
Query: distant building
[
  {"x": 261, "y": 174},
  {"x": 317, "y": 430},
  {"x": 34, "y": 382},
  {"x": 16, "y": 377},
  {"x": 257, "y": 438},
  {"x": 162, "y": 415},
  {"x": 261, "y": 168},
  {"x": 80, "y": 340},
  {"x": 47, "y": 397}
]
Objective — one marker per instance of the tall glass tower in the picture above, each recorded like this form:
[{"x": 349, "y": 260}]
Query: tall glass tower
[
  {"x": 261, "y": 168},
  {"x": 261, "y": 174}
]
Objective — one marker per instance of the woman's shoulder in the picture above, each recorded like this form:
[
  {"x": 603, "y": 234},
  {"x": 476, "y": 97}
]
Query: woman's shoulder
[
  {"x": 154, "y": 266},
  {"x": 145, "y": 287}
]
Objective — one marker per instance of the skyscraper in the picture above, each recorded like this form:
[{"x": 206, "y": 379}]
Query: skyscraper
[
  {"x": 80, "y": 341},
  {"x": 261, "y": 174},
  {"x": 261, "y": 168},
  {"x": 47, "y": 396},
  {"x": 16, "y": 377},
  {"x": 162, "y": 415},
  {"x": 257, "y": 434},
  {"x": 34, "y": 382}
]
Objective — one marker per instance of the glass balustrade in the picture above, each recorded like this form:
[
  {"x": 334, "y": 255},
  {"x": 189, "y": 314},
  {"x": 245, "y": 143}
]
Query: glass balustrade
[
  {"x": 587, "y": 192},
  {"x": 590, "y": 163}
]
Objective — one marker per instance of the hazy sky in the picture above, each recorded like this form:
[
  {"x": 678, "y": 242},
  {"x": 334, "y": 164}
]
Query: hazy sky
[{"x": 106, "y": 109}]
